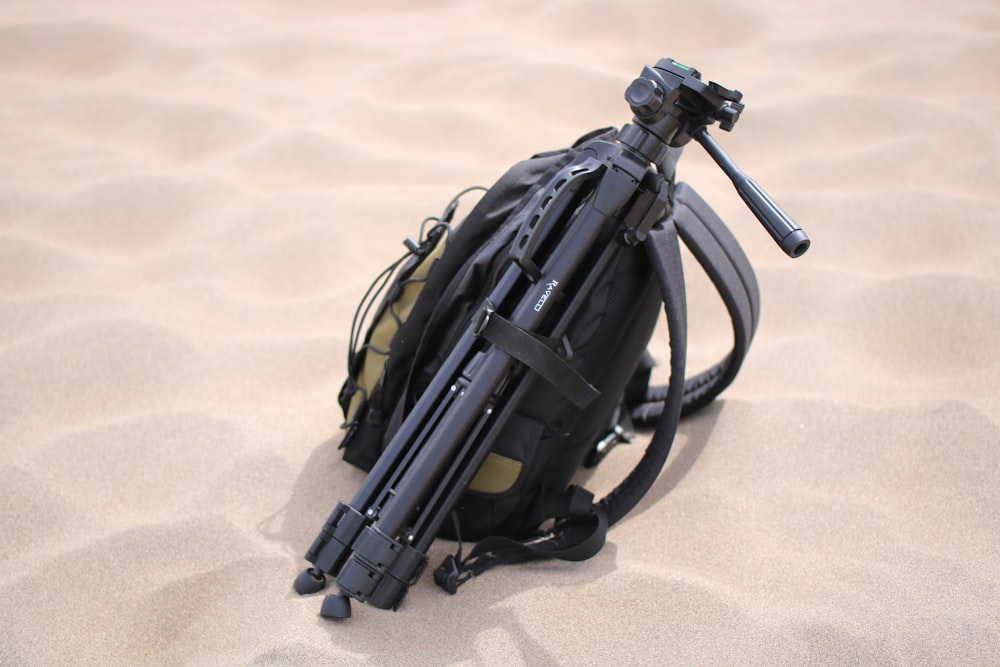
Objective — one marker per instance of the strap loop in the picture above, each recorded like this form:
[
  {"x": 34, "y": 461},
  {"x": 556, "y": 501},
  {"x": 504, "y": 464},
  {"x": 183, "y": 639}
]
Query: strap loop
[{"x": 536, "y": 352}]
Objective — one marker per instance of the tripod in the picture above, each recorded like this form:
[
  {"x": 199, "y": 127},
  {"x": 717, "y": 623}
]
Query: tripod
[{"x": 612, "y": 192}]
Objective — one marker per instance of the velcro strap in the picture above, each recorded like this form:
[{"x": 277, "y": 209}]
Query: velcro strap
[{"x": 537, "y": 353}]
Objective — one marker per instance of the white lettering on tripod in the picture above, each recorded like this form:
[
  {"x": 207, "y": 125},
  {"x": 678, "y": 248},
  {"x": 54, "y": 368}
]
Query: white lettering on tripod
[{"x": 545, "y": 296}]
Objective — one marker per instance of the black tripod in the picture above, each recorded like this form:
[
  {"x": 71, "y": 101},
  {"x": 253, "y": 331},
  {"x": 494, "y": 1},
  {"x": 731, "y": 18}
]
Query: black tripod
[{"x": 376, "y": 545}]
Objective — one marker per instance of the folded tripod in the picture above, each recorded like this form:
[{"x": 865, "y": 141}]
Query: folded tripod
[{"x": 614, "y": 191}]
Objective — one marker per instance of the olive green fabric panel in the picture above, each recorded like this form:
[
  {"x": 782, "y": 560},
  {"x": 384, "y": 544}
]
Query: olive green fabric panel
[
  {"x": 497, "y": 474},
  {"x": 377, "y": 349}
]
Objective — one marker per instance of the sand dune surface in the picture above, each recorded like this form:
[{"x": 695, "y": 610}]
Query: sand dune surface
[{"x": 195, "y": 196}]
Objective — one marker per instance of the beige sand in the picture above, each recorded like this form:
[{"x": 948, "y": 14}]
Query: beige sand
[{"x": 194, "y": 195}]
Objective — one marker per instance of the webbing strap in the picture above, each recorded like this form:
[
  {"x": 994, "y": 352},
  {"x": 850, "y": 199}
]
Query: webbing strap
[
  {"x": 537, "y": 353},
  {"x": 577, "y": 538}
]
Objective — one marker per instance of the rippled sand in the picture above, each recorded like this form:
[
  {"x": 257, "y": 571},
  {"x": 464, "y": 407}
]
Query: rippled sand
[{"x": 194, "y": 196}]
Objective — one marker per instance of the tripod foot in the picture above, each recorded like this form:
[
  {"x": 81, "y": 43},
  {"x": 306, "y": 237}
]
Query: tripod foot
[
  {"x": 310, "y": 581},
  {"x": 336, "y": 606}
]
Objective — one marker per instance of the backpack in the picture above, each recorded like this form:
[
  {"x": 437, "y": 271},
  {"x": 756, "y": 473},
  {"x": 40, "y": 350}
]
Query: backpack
[{"x": 510, "y": 349}]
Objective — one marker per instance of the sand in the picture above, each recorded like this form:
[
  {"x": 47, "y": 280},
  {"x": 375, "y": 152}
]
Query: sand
[{"x": 194, "y": 196}]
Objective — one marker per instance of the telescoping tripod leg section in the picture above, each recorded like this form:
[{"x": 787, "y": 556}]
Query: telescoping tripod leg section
[{"x": 375, "y": 546}]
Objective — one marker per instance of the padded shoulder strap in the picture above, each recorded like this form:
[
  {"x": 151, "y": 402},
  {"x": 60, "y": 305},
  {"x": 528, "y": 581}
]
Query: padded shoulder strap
[
  {"x": 664, "y": 253},
  {"x": 720, "y": 254}
]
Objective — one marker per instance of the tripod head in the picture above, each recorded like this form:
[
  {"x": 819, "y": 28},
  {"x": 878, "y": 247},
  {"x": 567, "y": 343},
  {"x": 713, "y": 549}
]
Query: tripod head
[
  {"x": 672, "y": 106},
  {"x": 673, "y": 103}
]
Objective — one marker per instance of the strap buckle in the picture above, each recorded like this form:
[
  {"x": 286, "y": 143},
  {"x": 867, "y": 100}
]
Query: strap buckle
[{"x": 483, "y": 318}]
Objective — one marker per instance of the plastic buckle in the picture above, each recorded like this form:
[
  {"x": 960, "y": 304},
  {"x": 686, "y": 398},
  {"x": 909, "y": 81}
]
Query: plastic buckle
[
  {"x": 446, "y": 576},
  {"x": 483, "y": 319},
  {"x": 581, "y": 501}
]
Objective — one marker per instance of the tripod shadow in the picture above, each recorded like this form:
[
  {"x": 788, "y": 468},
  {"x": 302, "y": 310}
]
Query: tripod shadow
[
  {"x": 692, "y": 437},
  {"x": 323, "y": 481},
  {"x": 690, "y": 441}
]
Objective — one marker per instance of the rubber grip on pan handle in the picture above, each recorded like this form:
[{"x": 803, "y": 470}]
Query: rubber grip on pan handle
[{"x": 785, "y": 231}]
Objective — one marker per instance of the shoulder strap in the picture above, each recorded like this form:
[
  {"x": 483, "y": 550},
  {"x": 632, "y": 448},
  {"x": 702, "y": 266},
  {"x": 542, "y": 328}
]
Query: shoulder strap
[{"x": 719, "y": 253}]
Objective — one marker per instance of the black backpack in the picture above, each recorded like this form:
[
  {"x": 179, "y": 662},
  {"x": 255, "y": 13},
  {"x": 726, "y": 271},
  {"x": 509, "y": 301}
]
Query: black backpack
[{"x": 510, "y": 349}]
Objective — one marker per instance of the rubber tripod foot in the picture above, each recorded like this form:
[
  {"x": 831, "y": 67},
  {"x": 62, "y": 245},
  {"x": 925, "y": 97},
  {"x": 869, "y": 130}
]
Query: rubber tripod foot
[
  {"x": 310, "y": 581},
  {"x": 336, "y": 606}
]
